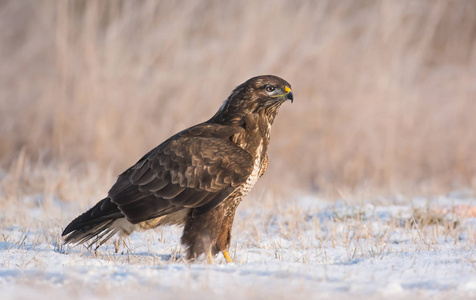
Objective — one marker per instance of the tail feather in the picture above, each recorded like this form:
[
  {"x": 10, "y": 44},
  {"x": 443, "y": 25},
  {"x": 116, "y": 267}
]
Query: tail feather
[{"x": 96, "y": 224}]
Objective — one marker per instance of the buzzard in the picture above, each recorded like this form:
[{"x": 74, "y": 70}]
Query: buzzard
[{"x": 196, "y": 178}]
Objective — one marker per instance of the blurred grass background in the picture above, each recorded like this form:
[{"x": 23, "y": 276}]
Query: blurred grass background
[{"x": 385, "y": 91}]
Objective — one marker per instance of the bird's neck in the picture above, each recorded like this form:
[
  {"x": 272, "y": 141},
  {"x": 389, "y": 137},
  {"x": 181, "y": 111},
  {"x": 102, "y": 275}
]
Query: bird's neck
[
  {"x": 256, "y": 122},
  {"x": 255, "y": 138}
]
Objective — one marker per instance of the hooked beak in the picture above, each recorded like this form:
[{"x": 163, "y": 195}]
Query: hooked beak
[{"x": 288, "y": 94}]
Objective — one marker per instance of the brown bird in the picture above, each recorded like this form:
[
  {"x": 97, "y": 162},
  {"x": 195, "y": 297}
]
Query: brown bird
[{"x": 196, "y": 178}]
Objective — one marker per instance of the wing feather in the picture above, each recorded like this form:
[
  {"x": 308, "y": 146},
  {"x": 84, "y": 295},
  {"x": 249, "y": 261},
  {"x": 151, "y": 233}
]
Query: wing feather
[
  {"x": 155, "y": 185},
  {"x": 170, "y": 191}
]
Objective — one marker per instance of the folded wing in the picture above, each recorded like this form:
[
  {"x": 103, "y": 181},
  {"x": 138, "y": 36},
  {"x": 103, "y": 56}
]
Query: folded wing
[{"x": 190, "y": 171}]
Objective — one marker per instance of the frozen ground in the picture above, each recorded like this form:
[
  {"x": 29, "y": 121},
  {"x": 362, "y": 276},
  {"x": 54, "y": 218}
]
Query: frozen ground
[{"x": 308, "y": 248}]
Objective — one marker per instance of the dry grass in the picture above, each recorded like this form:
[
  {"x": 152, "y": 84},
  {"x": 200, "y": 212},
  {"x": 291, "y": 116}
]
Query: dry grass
[
  {"x": 385, "y": 90},
  {"x": 267, "y": 230},
  {"x": 358, "y": 232}
]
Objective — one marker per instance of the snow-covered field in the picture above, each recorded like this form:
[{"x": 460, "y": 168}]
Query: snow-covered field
[{"x": 303, "y": 248}]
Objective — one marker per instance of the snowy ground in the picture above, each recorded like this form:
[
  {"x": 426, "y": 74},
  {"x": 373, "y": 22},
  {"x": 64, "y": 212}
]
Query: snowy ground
[{"x": 308, "y": 248}]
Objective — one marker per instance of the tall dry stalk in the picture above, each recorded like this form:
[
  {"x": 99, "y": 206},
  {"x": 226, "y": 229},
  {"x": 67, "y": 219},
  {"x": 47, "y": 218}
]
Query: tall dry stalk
[{"x": 385, "y": 90}]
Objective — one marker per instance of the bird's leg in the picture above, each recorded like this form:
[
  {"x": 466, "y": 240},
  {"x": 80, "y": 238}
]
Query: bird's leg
[
  {"x": 210, "y": 258},
  {"x": 227, "y": 256}
]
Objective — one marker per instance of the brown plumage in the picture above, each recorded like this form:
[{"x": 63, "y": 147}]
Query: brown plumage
[{"x": 196, "y": 178}]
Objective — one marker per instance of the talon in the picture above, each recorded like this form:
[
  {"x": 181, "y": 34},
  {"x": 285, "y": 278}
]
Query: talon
[{"x": 227, "y": 256}]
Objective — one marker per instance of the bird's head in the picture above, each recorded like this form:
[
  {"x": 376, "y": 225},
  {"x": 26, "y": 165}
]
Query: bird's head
[
  {"x": 267, "y": 90},
  {"x": 260, "y": 94}
]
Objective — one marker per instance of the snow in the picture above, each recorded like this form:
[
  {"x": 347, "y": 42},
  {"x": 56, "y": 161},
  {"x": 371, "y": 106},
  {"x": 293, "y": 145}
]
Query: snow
[{"x": 307, "y": 248}]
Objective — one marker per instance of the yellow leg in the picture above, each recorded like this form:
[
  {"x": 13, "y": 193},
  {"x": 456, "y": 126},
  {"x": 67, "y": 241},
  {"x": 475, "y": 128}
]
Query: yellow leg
[
  {"x": 227, "y": 256},
  {"x": 210, "y": 258}
]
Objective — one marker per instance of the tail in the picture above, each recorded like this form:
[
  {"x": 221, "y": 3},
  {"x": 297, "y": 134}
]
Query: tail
[{"x": 97, "y": 224}]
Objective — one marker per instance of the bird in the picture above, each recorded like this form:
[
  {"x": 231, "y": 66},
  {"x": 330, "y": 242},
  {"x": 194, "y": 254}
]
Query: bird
[{"x": 195, "y": 179}]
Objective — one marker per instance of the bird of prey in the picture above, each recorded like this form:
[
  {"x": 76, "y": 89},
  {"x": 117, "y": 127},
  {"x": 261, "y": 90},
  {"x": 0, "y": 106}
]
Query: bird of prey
[{"x": 196, "y": 178}]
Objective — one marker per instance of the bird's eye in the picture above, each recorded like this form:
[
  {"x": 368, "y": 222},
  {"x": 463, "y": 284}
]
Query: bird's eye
[{"x": 269, "y": 88}]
